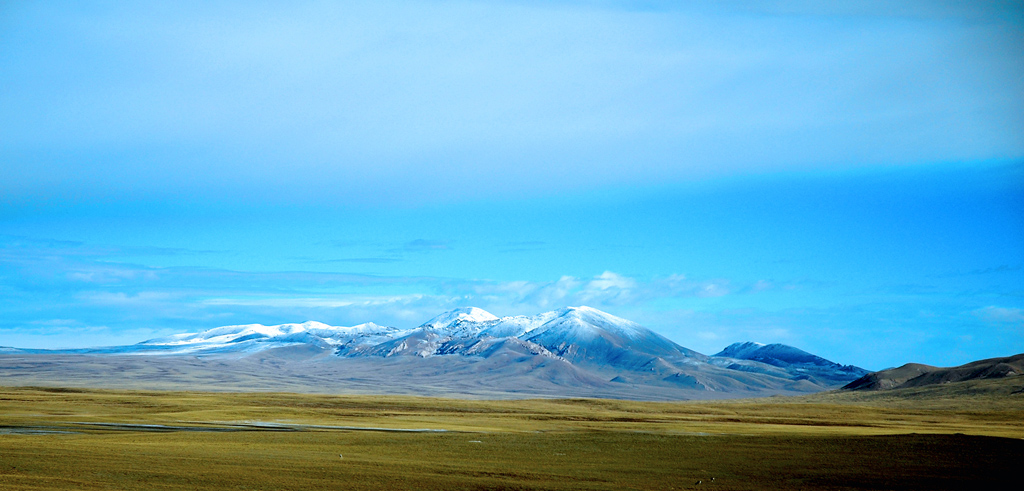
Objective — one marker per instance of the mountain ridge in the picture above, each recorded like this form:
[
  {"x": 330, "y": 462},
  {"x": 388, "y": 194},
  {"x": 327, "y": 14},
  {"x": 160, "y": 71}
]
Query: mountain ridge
[{"x": 577, "y": 350}]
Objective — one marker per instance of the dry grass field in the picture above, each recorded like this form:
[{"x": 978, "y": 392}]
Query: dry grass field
[{"x": 965, "y": 436}]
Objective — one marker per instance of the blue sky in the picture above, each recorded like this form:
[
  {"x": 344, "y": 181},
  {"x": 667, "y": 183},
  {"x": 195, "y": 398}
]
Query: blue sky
[{"x": 848, "y": 180}]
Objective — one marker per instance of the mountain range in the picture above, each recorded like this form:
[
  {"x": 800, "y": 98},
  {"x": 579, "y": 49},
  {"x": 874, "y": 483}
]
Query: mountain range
[{"x": 574, "y": 351}]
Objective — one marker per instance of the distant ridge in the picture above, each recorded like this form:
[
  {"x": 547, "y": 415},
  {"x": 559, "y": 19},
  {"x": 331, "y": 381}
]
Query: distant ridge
[
  {"x": 793, "y": 360},
  {"x": 573, "y": 351},
  {"x": 918, "y": 375},
  {"x": 779, "y": 355}
]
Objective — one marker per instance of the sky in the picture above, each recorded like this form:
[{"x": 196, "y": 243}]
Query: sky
[{"x": 847, "y": 179}]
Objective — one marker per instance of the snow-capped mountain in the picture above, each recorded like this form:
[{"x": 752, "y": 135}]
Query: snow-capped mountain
[
  {"x": 576, "y": 334},
  {"x": 751, "y": 356},
  {"x": 257, "y": 337},
  {"x": 742, "y": 351},
  {"x": 578, "y": 348},
  {"x": 466, "y": 314}
]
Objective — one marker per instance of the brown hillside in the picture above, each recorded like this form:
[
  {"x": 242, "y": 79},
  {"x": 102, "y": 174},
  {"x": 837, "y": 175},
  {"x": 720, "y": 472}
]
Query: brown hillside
[{"x": 918, "y": 375}]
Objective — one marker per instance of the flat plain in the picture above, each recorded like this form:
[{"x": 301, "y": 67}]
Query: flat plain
[{"x": 953, "y": 436}]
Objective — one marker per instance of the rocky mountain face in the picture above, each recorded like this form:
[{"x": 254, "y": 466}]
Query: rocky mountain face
[{"x": 570, "y": 351}]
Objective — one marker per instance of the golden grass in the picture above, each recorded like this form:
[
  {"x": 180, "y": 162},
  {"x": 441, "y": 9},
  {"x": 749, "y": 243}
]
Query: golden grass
[
  {"x": 825, "y": 441},
  {"x": 851, "y": 414}
]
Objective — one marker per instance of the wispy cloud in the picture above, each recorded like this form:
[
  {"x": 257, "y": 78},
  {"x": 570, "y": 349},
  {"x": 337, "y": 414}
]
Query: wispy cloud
[
  {"x": 16, "y": 247},
  {"x": 1002, "y": 268},
  {"x": 420, "y": 245},
  {"x": 126, "y": 300},
  {"x": 1000, "y": 315},
  {"x": 605, "y": 289},
  {"x": 522, "y": 246},
  {"x": 525, "y": 243},
  {"x": 326, "y": 301},
  {"x": 370, "y": 260}
]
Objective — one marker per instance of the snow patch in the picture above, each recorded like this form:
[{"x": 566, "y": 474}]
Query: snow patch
[{"x": 465, "y": 314}]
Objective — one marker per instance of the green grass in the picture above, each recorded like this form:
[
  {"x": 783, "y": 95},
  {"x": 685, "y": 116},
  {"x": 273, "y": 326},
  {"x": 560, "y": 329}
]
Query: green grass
[{"x": 818, "y": 442}]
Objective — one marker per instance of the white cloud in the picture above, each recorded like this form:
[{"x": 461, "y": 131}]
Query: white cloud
[
  {"x": 125, "y": 299},
  {"x": 609, "y": 280},
  {"x": 1000, "y": 314},
  {"x": 603, "y": 290},
  {"x": 551, "y": 295},
  {"x": 330, "y": 301}
]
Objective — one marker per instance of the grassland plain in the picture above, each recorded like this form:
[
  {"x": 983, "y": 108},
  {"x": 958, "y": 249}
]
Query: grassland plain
[{"x": 951, "y": 437}]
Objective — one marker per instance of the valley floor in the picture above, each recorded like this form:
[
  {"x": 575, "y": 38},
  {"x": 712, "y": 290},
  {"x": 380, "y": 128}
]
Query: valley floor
[{"x": 968, "y": 435}]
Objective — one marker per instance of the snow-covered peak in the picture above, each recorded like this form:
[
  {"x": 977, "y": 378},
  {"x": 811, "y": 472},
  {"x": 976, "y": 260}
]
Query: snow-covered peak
[
  {"x": 464, "y": 314},
  {"x": 584, "y": 312},
  {"x": 585, "y": 320},
  {"x": 230, "y": 333},
  {"x": 740, "y": 350},
  {"x": 589, "y": 319},
  {"x": 249, "y": 332},
  {"x": 585, "y": 334}
]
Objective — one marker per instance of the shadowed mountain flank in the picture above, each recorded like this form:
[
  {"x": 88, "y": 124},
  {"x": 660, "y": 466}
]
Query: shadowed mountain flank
[{"x": 752, "y": 356}]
